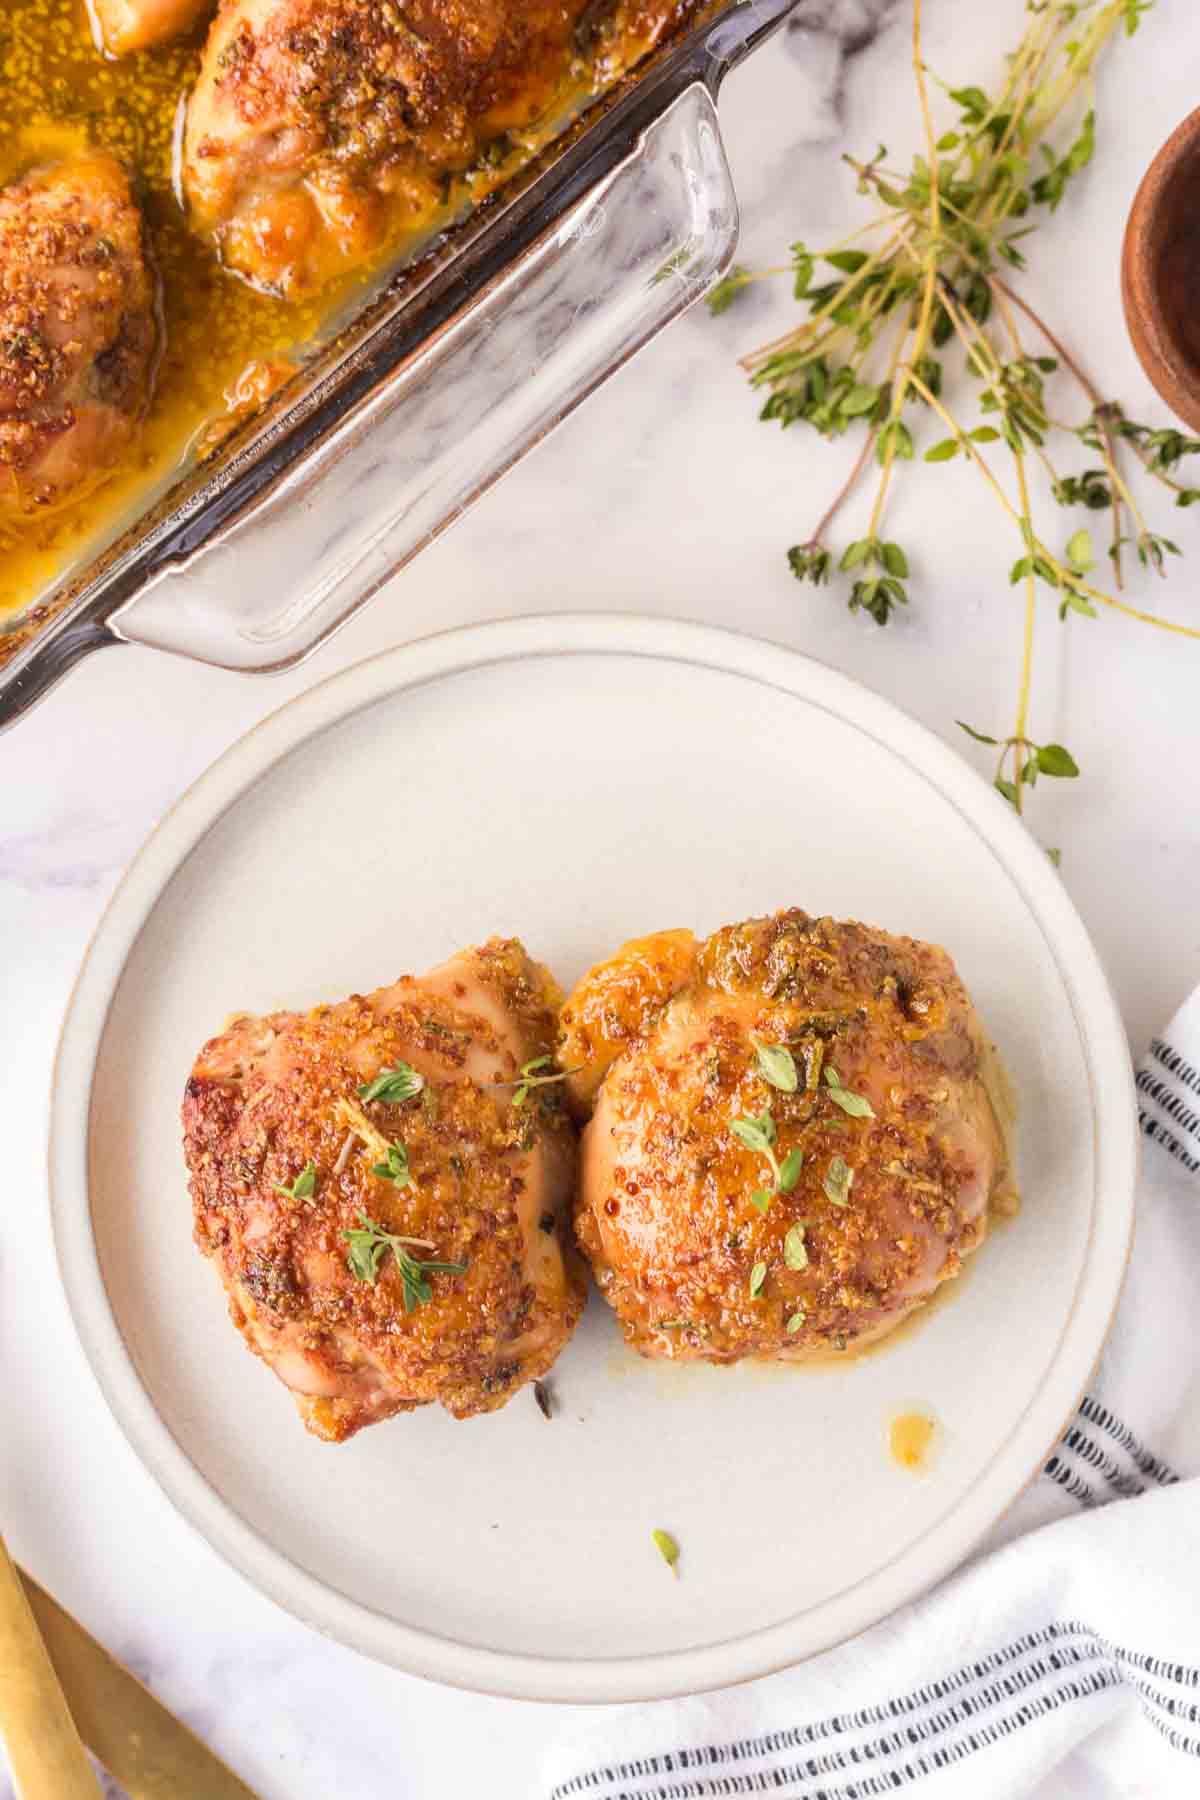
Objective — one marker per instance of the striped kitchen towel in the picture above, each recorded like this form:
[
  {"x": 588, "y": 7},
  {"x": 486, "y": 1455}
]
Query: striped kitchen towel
[{"x": 1063, "y": 1661}]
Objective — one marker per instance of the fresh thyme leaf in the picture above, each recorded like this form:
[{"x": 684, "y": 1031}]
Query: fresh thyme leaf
[
  {"x": 839, "y": 1179},
  {"x": 1053, "y": 759},
  {"x": 810, "y": 562},
  {"x": 394, "y": 1167},
  {"x": 894, "y": 440},
  {"x": 1074, "y": 601},
  {"x": 777, "y": 1066},
  {"x": 974, "y": 103},
  {"x": 393, "y": 1085},
  {"x": 1091, "y": 490},
  {"x": 365, "y": 1255},
  {"x": 860, "y": 399},
  {"x": 795, "y": 1250},
  {"x": 757, "y": 1134},
  {"x": 789, "y": 1170},
  {"x": 758, "y": 1275},
  {"x": 1007, "y": 788},
  {"x": 848, "y": 261},
  {"x": 1080, "y": 553},
  {"x": 802, "y": 269},
  {"x": 532, "y": 1077},
  {"x": 796, "y": 1321},
  {"x": 1049, "y": 188},
  {"x": 303, "y": 1186},
  {"x": 943, "y": 451},
  {"x": 668, "y": 1549},
  {"x": 856, "y": 1105},
  {"x": 979, "y": 736},
  {"x": 1151, "y": 550},
  {"x": 881, "y": 586},
  {"x": 720, "y": 298}
]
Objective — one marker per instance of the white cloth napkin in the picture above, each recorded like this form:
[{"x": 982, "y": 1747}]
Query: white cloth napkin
[{"x": 1063, "y": 1661}]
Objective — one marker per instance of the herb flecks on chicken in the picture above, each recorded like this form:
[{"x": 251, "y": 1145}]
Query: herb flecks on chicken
[
  {"x": 736, "y": 1205},
  {"x": 382, "y": 1253}
]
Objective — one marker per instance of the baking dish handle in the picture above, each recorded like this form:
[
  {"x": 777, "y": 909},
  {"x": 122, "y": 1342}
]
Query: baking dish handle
[{"x": 420, "y": 447}]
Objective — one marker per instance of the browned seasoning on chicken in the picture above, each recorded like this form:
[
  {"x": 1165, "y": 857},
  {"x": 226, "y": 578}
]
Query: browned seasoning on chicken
[
  {"x": 794, "y": 1150},
  {"x": 386, "y": 1249},
  {"x": 317, "y": 128},
  {"x": 77, "y": 330}
]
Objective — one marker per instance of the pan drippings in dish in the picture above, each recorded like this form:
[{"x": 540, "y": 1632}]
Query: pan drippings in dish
[{"x": 226, "y": 341}]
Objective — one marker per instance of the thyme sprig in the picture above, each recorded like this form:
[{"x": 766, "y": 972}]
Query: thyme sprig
[
  {"x": 393, "y": 1085},
  {"x": 532, "y": 1076},
  {"x": 303, "y": 1187},
  {"x": 1028, "y": 760},
  {"x": 369, "y": 1243},
  {"x": 930, "y": 271},
  {"x": 759, "y": 1135}
]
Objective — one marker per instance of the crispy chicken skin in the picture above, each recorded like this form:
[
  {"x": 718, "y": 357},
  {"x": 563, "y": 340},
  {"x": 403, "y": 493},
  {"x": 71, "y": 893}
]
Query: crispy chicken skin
[
  {"x": 77, "y": 329},
  {"x": 125, "y": 25},
  {"x": 616, "y": 1002},
  {"x": 665, "y": 1211},
  {"x": 490, "y": 1188},
  {"x": 317, "y": 127}
]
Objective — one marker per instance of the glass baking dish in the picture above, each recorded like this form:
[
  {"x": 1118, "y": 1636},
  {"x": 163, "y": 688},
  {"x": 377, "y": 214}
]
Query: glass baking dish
[{"x": 434, "y": 388}]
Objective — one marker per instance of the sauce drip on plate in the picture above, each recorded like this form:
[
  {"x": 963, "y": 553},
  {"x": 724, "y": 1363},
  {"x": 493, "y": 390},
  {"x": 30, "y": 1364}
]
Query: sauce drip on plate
[{"x": 913, "y": 1440}]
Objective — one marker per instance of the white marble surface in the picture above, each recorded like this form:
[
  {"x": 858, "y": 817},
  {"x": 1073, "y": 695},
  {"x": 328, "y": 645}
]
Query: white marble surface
[{"x": 664, "y": 495}]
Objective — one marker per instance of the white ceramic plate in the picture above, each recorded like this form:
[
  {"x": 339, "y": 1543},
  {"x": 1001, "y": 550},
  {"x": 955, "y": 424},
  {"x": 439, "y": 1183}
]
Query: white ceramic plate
[{"x": 578, "y": 781}]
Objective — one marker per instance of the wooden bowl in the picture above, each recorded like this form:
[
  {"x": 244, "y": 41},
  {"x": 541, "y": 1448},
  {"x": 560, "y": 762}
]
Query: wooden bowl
[{"x": 1160, "y": 271}]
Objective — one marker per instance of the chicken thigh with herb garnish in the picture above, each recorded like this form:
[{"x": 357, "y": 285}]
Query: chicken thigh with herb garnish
[
  {"x": 793, "y": 1142},
  {"x": 77, "y": 329},
  {"x": 317, "y": 128},
  {"x": 383, "y": 1185}
]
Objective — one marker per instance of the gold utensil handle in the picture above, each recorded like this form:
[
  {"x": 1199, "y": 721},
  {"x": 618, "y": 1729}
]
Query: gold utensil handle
[
  {"x": 47, "y": 1758},
  {"x": 142, "y": 1745}
]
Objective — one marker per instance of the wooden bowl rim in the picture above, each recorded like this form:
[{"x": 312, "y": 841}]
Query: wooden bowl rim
[{"x": 1171, "y": 367}]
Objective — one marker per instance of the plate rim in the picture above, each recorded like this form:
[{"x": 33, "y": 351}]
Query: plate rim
[{"x": 662, "y": 1674}]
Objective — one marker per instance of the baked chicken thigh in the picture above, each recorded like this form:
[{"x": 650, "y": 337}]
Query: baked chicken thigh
[
  {"x": 77, "y": 329},
  {"x": 318, "y": 127},
  {"x": 792, "y": 1144},
  {"x": 386, "y": 1198}
]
